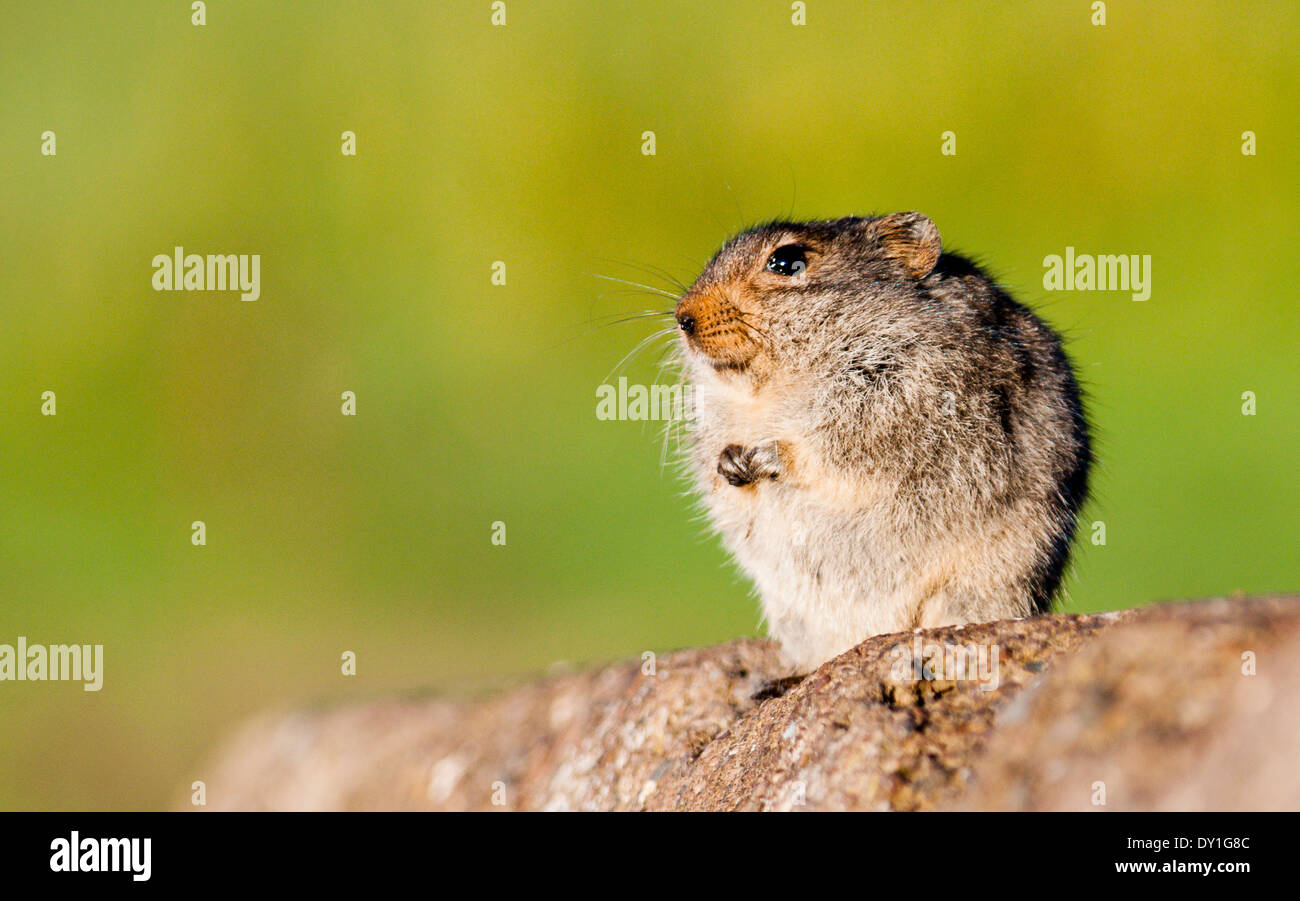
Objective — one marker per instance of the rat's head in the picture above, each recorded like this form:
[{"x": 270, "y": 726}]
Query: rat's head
[{"x": 770, "y": 294}]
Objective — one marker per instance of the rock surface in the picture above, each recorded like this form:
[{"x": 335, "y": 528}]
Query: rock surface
[{"x": 1145, "y": 709}]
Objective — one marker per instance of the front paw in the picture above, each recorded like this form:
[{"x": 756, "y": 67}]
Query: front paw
[{"x": 746, "y": 465}]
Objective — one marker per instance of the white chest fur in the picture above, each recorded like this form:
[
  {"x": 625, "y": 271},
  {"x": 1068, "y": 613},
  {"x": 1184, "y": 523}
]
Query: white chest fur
[{"x": 826, "y": 564}]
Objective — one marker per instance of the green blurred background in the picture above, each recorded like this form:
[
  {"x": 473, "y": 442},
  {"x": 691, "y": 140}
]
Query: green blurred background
[{"x": 476, "y": 402}]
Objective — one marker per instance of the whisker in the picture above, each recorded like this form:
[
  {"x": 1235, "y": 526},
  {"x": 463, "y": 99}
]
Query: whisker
[
  {"x": 626, "y": 292},
  {"x": 674, "y": 427},
  {"x": 753, "y": 328},
  {"x": 650, "y": 288},
  {"x": 670, "y": 432},
  {"x": 794, "y": 186},
  {"x": 663, "y": 333},
  {"x": 656, "y": 271},
  {"x": 598, "y": 324},
  {"x": 620, "y": 318}
]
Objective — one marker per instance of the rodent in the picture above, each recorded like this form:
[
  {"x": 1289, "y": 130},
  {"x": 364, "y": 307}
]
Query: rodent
[{"x": 883, "y": 437}]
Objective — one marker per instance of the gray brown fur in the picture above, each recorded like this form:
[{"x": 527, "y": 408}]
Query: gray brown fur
[{"x": 884, "y": 440}]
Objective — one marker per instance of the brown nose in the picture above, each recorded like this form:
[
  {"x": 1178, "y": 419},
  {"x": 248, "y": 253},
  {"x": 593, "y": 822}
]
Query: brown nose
[
  {"x": 711, "y": 324},
  {"x": 687, "y": 312}
]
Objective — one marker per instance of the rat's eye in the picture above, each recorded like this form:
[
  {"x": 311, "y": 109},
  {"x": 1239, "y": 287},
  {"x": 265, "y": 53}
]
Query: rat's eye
[{"x": 789, "y": 260}]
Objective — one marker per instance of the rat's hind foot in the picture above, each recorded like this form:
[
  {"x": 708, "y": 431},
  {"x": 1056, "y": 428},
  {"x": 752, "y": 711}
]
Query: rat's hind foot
[{"x": 742, "y": 466}]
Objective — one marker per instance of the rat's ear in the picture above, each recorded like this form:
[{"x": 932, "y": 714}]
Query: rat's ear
[{"x": 911, "y": 239}]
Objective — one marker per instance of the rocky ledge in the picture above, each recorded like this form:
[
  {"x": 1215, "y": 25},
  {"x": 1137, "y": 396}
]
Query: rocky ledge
[{"x": 1181, "y": 706}]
